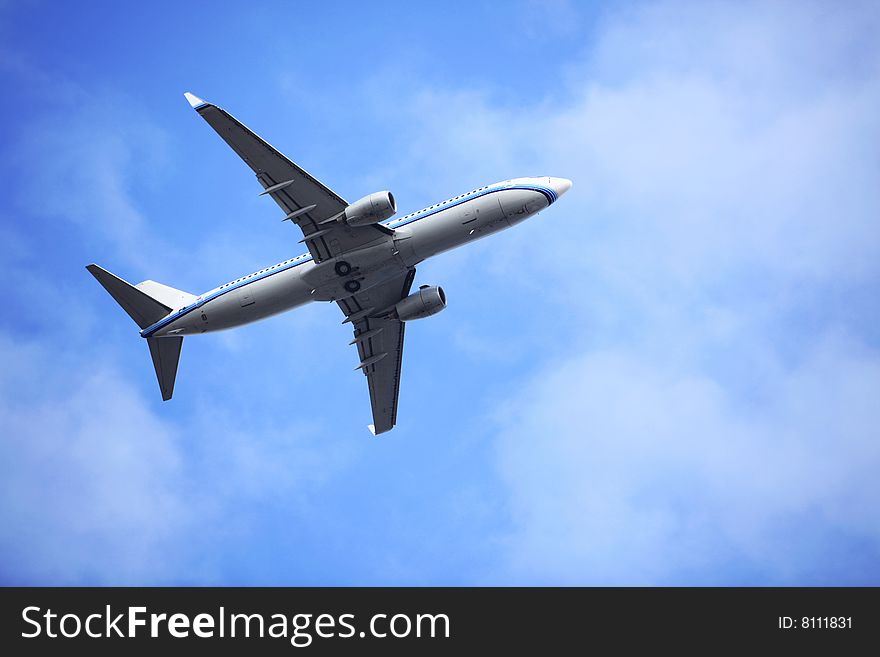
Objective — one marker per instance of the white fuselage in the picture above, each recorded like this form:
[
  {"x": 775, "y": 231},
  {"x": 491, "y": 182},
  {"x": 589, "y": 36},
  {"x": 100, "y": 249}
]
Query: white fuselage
[{"x": 417, "y": 236}]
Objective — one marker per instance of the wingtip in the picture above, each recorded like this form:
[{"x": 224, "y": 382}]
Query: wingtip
[
  {"x": 372, "y": 428},
  {"x": 194, "y": 101}
]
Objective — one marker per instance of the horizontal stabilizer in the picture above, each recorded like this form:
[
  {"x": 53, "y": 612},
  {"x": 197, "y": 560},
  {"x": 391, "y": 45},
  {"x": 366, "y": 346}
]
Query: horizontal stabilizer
[
  {"x": 141, "y": 307},
  {"x": 166, "y": 356}
]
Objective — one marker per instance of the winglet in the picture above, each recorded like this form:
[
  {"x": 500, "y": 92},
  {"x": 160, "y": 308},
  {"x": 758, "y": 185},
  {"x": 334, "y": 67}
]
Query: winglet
[
  {"x": 194, "y": 101},
  {"x": 372, "y": 429}
]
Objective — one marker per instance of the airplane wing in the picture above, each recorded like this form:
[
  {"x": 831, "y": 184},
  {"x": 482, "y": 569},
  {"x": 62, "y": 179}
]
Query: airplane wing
[
  {"x": 380, "y": 345},
  {"x": 305, "y": 200}
]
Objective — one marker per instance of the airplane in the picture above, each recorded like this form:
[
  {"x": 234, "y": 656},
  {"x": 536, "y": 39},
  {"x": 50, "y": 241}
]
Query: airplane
[{"x": 357, "y": 257}]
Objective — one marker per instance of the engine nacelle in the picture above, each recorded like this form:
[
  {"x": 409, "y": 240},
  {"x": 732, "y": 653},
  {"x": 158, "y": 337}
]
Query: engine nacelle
[
  {"x": 429, "y": 300},
  {"x": 371, "y": 209}
]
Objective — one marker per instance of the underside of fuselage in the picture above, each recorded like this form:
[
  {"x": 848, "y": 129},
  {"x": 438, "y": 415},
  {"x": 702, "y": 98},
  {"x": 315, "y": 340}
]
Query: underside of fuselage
[{"x": 417, "y": 236}]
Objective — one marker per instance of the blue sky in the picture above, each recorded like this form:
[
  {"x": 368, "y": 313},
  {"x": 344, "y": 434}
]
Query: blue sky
[{"x": 670, "y": 377}]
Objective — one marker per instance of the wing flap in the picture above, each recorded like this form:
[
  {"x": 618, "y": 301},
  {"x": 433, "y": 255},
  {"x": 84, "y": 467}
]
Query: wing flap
[
  {"x": 383, "y": 355},
  {"x": 379, "y": 343}
]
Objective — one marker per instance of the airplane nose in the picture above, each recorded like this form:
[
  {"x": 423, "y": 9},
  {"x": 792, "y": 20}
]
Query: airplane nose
[{"x": 559, "y": 185}]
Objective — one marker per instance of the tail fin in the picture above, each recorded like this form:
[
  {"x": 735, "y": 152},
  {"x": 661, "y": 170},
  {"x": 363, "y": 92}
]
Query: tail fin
[
  {"x": 167, "y": 296},
  {"x": 146, "y": 304}
]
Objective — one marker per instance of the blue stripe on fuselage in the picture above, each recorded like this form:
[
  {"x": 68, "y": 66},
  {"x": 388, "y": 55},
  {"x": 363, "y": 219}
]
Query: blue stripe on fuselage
[
  {"x": 427, "y": 212},
  {"x": 247, "y": 280},
  {"x": 395, "y": 223}
]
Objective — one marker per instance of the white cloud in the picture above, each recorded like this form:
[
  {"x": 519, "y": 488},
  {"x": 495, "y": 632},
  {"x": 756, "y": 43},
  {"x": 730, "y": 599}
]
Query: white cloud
[
  {"x": 700, "y": 409},
  {"x": 704, "y": 411},
  {"x": 75, "y": 469},
  {"x": 714, "y": 139},
  {"x": 625, "y": 472},
  {"x": 100, "y": 489}
]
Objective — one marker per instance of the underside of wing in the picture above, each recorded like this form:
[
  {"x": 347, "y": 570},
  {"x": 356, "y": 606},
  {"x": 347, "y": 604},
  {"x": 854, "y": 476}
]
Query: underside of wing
[
  {"x": 379, "y": 343},
  {"x": 304, "y": 199}
]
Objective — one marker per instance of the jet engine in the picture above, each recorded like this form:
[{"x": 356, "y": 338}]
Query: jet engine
[
  {"x": 429, "y": 300},
  {"x": 371, "y": 209}
]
